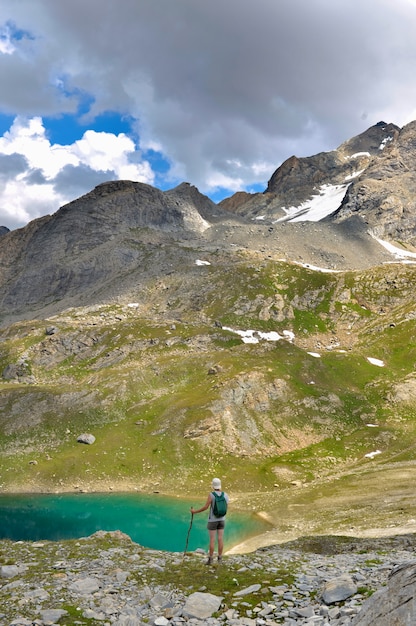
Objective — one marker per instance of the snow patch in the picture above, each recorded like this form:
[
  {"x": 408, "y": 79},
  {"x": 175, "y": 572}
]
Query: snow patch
[
  {"x": 254, "y": 336},
  {"x": 375, "y": 361},
  {"x": 315, "y": 354},
  {"x": 319, "y": 206},
  {"x": 398, "y": 252},
  {"x": 371, "y": 455},
  {"x": 359, "y": 154},
  {"x": 384, "y": 142},
  {"x": 199, "y": 262},
  {"x": 315, "y": 268},
  {"x": 354, "y": 175}
]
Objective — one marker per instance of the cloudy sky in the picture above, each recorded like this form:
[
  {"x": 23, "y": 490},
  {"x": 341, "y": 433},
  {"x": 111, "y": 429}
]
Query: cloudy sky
[{"x": 217, "y": 93}]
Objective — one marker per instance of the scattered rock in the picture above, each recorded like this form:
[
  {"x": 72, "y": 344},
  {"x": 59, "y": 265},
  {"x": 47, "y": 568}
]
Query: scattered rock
[
  {"x": 9, "y": 571},
  {"x": 339, "y": 589},
  {"x": 108, "y": 578},
  {"x": 201, "y": 605},
  {"x": 86, "y": 438},
  {"x": 247, "y": 590},
  {"x": 85, "y": 585}
]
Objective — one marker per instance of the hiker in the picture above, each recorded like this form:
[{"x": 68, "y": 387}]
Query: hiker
[{"x": 216, "y": 523}]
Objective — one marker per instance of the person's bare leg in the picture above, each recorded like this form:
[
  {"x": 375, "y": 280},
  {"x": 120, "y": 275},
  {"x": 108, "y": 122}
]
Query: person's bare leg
[
  {"x": 211, "y": 544},
  {"x": 220, "y": 535}
]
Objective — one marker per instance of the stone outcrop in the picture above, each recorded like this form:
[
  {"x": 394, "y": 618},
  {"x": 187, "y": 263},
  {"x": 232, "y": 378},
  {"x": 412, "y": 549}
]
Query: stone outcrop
[
  {"x": 89, "y": 243},
  {"x": 86, "y": 438},
  {"x": 298, "y": 179},
  {"x": 376, "y": 176},
  {"x": 395, "y": 604},
  {"x": 384, "y": 194}
]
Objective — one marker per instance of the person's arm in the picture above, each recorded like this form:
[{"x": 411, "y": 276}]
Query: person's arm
[{"x": 203, "y": 508}]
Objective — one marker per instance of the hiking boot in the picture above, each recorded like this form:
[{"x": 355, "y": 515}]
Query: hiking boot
[
  {"x": 220, "y": 559},
  {"x": 209, "y": 560}
]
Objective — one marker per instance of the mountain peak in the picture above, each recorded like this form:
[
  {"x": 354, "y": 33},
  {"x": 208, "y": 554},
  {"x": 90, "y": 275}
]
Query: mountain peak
[{"x": 359, "y": 193}]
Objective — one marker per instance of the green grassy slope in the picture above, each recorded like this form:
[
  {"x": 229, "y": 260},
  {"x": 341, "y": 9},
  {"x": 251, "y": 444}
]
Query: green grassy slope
[{"x": 170, "y": 394}]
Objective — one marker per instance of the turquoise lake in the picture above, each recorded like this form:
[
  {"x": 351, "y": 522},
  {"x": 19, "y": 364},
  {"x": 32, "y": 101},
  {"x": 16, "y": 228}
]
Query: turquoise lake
[{"x": 152, "y": 521}]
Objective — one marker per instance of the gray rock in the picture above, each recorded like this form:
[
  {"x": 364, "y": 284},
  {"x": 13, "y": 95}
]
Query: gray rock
[
  {"x": 9, "y": 571},
  {"x": 52, "y": 616},
  {"x": 339, "y": 589},
  {"x": 159, "y": 601},
  {"x": 86, "y": 438},
  {"x": 36, "y": 594},
  {"x": 305, "y": 612},
  {"x": 247, "y": 590},
  {"x": 94, "y": 615},
  {"x": 396, "y": 604},
  {"x": 201, "y": 605},
  {"x": 85, "y": 585}
]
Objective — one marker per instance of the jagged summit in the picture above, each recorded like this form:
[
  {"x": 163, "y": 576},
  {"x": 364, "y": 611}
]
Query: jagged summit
[
  {"x": 298, "y": 180},
  {"x": 98, "y": 245},
  {"x": 384, "y": 194},
  {"x": 126, "y": 204}
]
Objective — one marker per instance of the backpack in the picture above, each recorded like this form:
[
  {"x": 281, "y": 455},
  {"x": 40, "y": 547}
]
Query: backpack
[{"x": 220, "y": 505}]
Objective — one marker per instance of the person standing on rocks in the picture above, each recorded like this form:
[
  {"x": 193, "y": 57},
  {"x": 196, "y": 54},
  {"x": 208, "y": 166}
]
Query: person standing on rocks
[{"x": 216, "y": 523}]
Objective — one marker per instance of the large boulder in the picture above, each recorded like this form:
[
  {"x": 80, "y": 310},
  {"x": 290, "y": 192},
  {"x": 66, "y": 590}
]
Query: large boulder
[
  {"x": 201, "y": 605},
  {"x": 339, "y": 589},
  {"x": 393, "y": 605}
]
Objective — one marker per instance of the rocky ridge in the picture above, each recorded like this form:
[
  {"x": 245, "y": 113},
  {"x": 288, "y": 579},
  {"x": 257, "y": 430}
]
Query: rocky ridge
[
  {"x": 97, "y": 247},
  {"x": 374, "y": 173},
  {"x": 106, "y": 579}
]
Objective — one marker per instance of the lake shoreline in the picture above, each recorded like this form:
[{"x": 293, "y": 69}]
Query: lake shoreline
[
  {"x": 156, "y": 521},
  {"x": 354, "y": 508}
]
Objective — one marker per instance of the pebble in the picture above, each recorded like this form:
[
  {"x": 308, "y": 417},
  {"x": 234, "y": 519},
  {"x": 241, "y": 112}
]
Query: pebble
[{"x": 110, "y": 587}]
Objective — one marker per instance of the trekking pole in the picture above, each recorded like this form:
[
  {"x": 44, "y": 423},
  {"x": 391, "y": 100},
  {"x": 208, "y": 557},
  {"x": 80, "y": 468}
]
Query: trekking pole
[{"x": 187, "y": 537}]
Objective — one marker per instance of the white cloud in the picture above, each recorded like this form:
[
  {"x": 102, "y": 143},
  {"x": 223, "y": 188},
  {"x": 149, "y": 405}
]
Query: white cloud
[
  {"x": 20, "y": 203},
  {"x": 45, "y": 184},
  {"x": 6, "y": 45}
]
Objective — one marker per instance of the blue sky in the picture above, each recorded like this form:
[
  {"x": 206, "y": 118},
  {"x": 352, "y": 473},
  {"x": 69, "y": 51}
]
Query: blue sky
[{"x": 217, "y": 94}]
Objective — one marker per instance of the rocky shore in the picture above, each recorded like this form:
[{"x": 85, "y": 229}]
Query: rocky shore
[{"x": 107, "y": 579}]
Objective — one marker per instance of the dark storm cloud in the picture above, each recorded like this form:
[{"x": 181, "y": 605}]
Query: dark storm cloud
[
  {"x": 227, "y": 90},
  {"x": 35, "y": 177},
  {"x": 74, "y": 181},
  {"x": 12, "y": 165}
]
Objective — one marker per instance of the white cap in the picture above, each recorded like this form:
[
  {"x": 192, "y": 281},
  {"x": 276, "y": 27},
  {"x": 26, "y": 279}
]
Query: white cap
[{"x": 216, "y": 483}]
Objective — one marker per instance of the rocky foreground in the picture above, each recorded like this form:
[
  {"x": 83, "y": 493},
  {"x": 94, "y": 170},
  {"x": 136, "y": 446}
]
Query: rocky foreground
[{"x": 109, "y": 580}]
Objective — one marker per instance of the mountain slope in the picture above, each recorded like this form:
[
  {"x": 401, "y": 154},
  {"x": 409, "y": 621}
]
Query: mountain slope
[
  {"x": 192, "y": 341},
  {"x": 372, "y": 176},
  {"x": 385, "y": 194},
  {"x": 92, "y": 249},
  {"x": 88, "y": 245}
]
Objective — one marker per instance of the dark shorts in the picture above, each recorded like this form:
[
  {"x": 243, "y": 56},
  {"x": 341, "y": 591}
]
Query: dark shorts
[{"x": 216, "y": 525}]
